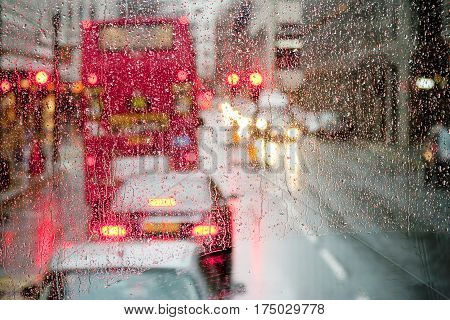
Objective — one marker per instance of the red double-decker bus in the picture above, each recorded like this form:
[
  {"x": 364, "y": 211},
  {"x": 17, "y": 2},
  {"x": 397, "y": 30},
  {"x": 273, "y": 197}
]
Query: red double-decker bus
[{"x": 140, "y": 86}]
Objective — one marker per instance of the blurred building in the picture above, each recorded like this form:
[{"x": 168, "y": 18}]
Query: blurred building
[
  {"x": 26, "y": 35},
  {"x": 359, "y": 58},
  {"x": 236, "y": 50},
  {"x": 277, "y": 27},
  {"x": 26, "y": 107},
  {"x": 262, "y": 35}
]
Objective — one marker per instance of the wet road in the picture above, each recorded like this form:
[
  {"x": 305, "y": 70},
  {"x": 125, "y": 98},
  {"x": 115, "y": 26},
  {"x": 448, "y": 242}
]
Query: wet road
[{"x": 319, "y": 227}]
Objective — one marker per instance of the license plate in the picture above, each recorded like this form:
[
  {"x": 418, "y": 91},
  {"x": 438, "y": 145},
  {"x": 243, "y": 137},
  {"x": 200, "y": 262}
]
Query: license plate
[{"x": 152, "y": 227}]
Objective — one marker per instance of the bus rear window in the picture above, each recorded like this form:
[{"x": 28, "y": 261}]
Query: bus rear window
[{"x": 136, "y": 37}]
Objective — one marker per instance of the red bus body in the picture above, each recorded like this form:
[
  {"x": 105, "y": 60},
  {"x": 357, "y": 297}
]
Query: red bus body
[{"x": 138, "y": 100}]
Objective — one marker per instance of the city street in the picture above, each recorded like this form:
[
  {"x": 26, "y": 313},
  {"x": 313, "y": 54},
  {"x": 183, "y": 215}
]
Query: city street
[{"x": 331, "y": 222}]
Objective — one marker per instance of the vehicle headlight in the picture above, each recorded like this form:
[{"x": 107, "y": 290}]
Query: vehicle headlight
[
  {"x": 226, "y": 109},
  {"x": 261, "y": 124},
  {"x": 181, "y": 141},
  {"x": 293, "y": 133},
  {"x": 243, "y": 122}
]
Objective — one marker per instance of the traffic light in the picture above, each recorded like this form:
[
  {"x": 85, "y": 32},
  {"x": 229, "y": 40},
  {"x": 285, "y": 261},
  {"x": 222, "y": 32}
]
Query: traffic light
[
  {"x": 41, "y": 77},
  {"x": 256, "y": 81},
  {"x": 233, "y": 79},
  {"x": 233, "y": 82}
]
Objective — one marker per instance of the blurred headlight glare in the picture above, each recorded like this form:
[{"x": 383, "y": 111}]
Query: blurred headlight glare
[
  {"x": 261, "y": 124},
  {"x": 243, "y": 122}
]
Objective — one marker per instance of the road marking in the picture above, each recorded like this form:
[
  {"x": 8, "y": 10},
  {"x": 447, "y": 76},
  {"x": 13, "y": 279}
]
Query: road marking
[{"x": 334, "y": 265}]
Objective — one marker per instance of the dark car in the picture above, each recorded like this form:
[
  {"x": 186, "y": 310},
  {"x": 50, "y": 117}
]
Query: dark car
[{"x": 436, "y": 156}]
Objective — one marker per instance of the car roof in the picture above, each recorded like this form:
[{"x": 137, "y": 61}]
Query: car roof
[
  {"x": 180, "y": 255},
  {"x": 191, "y": 191}
]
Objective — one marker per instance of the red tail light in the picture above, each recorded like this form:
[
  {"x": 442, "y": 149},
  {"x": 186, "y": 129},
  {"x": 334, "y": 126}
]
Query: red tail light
[
  {"x": 182, "y": 75},
  {"x": 256, "y": 79},
  {"x": 113, "y": 231},
  {"x": 184, "y": 20},
  {"x": 204, "y": 99},
  {"x": 233, "y": 79},
  {"x": 5, "y": 86},
  {"x": 205, "y": 230},
  {"x": 92, "y": 78},
  {"x": 41, "y": 77},
  {"x": 90, "y": 161},
  {"x": 86, "y": 24}
]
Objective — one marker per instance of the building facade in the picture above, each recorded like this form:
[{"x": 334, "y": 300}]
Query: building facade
[
  {"x": 26, "y": 107},
  {"x": 359, "y": 58},
  {"x": 277, "y": 27},
  {"x": 26, "y": 35}
]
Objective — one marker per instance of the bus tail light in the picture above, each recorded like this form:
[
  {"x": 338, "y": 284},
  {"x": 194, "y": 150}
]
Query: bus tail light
[
  {"x": 92, "y": 79},
  {"x": 86, "y": 24},
  {"x": 205, "y": 230},
  {"x": 5, "y": 86},
  {"x": 183, "y": 20},
  {"x": 182, "y": 75},
  {"x": 90, "y": 161},
  {"x": 204, "y": 99},
  {"x": 113, "y": 231}
]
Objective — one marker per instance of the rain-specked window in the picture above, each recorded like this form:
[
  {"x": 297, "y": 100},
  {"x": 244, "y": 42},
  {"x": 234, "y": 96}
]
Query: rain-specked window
[{"x": 234, "y": 149}]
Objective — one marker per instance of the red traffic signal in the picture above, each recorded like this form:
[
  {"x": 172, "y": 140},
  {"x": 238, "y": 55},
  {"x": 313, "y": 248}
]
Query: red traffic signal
[
  {"x": 41, "y": 77},
  {"x": 255, "y": 78},
  {"x": 233, "y": 79}
]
